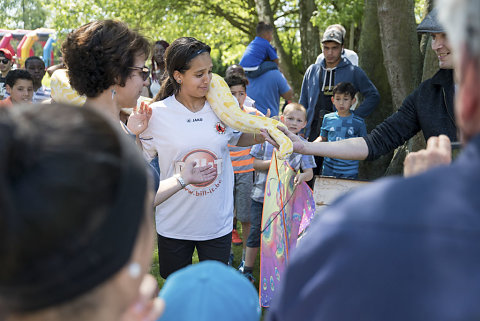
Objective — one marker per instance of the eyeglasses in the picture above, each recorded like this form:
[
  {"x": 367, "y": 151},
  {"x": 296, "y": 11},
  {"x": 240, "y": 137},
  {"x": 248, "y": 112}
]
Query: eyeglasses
[
  {"x": 144, "y": 72},
  {"x": 4, "y": 61}
]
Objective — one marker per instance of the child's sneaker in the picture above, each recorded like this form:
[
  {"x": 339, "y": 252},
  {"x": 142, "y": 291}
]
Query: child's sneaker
[
  {"x": 236, "y": 240},
  {"x": 241, "y": 266},
  {"x": 250, "y": 277}
]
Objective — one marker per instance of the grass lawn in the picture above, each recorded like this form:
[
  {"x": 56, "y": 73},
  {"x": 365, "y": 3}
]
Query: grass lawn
[{"x": 237, "y": 250}]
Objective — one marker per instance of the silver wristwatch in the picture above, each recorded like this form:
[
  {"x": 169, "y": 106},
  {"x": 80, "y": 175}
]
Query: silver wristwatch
[{"x": 180, "y": 180}]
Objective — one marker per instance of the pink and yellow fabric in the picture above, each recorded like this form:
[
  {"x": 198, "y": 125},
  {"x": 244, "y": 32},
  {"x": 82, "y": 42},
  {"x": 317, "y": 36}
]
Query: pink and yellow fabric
[{"x": 287, "y": 211}]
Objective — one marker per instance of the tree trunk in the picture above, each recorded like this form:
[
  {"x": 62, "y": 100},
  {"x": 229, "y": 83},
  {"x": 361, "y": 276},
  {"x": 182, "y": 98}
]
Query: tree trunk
[
  {"x": 371, "y": 61},
  {"x": 401, "y": 53},
  {"x": 309, "y": 34},
  {"x": 404, "y": 67},
  {"x": 287, "y": 67},
  {"x": 430, "y": 67}
]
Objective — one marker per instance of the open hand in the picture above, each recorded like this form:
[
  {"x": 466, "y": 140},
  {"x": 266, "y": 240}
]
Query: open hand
[
  {"x": 298, "y": 144},
  {"x": 438, "y": 152},
  {"x": 198, "y": 175},
  {"x": 138, "y": 120}
]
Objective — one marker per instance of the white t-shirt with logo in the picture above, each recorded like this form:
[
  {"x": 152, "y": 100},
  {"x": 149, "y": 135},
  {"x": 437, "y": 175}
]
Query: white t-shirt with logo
[{"x": 198, "y": 212}]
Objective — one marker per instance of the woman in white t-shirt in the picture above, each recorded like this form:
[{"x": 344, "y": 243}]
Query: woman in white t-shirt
[{"x": 183, "y": 128}]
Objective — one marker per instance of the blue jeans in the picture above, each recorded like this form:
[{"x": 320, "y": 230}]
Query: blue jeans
[
  {"x": 155, "y": 171},
  {"x": 263, "y": 68},
  {"x": 327, "y": 171},
  {"x": 256, "y": 224}
]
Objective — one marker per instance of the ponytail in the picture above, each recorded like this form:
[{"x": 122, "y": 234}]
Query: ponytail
[{"x": 169, "y": 87}]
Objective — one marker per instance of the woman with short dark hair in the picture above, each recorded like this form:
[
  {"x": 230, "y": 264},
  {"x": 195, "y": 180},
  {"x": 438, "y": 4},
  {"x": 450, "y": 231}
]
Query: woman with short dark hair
[{"x": 106, "y": 63}]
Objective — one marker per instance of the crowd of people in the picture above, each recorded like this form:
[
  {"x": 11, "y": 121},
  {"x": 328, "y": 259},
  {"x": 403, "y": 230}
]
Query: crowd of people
[{"x": 79, "y": 187}]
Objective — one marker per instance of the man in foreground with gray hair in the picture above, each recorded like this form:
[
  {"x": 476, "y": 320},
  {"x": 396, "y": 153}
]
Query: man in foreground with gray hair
[{"x": 402, "y": 248}]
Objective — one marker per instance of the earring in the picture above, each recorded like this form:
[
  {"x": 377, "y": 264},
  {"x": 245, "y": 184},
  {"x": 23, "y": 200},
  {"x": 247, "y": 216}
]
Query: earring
[
  {"x": 134, "y": 270},
  {"x": 113, "y": 93},
  {"x": 179, "y": 81}
]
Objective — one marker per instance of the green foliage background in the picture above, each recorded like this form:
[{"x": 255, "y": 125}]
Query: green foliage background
[{"x": 227, "y": 26}]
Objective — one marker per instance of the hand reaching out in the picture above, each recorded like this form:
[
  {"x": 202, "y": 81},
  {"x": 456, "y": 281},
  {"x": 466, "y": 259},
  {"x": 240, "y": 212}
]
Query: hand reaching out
[
  {"x": 298, "y": 144},
  {"x": 197, "y": 175},
  {"x": 438, "y": 152},
  {"x": 138, "y": 120}
]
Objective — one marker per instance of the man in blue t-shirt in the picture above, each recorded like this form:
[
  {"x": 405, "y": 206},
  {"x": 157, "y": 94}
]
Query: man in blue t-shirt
[
  {"x": 341, "y": 125},
  {"x": 267, "y": 89}
]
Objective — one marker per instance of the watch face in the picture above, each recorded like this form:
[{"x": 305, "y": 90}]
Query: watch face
[
  {"x": 456, "y": 149},
  {"x": 180, "y": 180}
]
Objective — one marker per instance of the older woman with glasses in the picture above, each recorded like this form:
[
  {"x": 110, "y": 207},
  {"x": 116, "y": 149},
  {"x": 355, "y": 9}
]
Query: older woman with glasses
[{"x": 106, "y": 63}]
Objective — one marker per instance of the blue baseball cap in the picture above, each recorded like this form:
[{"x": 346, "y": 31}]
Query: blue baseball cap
[{"x": 209, "y": 290}]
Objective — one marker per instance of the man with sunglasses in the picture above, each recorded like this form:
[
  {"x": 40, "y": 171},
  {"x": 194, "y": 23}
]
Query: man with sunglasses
[{"x": 6, "y": 63}]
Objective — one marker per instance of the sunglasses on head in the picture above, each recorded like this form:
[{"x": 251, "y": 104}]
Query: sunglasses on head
[
  {"x": 4, "y": 61},
  {"x": 144, "y": 72}
]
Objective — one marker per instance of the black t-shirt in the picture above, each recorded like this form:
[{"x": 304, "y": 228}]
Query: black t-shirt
[{"x": 324, "y": 104}]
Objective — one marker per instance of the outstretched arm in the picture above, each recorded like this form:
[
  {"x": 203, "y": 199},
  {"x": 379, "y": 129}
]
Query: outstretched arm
[{"x": 353, "y": 148}]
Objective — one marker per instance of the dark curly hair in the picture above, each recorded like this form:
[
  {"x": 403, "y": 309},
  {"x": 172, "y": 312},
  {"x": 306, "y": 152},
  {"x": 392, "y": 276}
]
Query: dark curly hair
[
  {"x": 14, "y": 75},
  {"x": 178, "y": 57},
  {"x": 99, "y": 55},
  {"x": 235, "y": 80}
]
